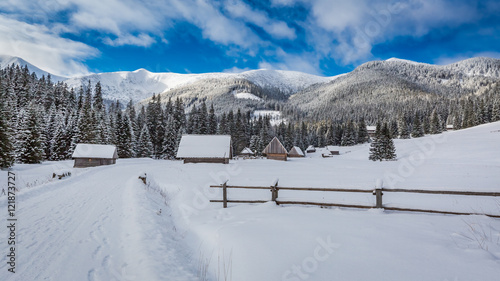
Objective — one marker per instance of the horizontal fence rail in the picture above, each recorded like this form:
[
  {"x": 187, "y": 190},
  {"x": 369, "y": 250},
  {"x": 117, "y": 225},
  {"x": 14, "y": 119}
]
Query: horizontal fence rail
[{"x": 378, "y": 192}]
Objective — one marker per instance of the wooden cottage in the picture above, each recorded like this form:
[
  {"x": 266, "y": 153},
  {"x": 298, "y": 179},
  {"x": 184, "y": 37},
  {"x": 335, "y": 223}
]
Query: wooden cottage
[
  {"x": 246, "y": 152},
  {"x": 371, "y": 130},
  {"x": 311, "y": 149},
  {"x": 333, "y": 150},
  {"x": 275, "y": 150},
  {"x": 91, "y": 155},
  {"x": 296, "y": 152},
  {"x": 205, "y": 149}
]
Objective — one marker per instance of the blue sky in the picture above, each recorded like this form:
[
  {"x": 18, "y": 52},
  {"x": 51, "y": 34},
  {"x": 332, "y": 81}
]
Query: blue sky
[{"x": 323, "y": 37}]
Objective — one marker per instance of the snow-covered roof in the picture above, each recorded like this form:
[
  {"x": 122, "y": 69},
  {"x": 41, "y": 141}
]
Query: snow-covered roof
[
  {"x": 204, "y": 146},
  {"x": 296, "y": 151},
  {"x": 84, "y": 150},
  {"x": 246, "y": 150},
  {"x": 332, "y": 148},
  {"x": 371, "y": 128}
]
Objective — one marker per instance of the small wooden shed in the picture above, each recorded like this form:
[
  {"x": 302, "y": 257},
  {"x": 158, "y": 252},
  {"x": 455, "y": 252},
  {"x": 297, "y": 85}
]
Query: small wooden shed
[
  {"x": 333, "y": 150},
  {"x": 205, "y": 149},
  {"x": 246, "y": 152},
  {"x": 311, "y": 149},
  {"x": 275, "y": 150},
  {"x": 92, "y": 155},
  {"x": 296, "y": 152},
  {"x": 371, "y": 130}
]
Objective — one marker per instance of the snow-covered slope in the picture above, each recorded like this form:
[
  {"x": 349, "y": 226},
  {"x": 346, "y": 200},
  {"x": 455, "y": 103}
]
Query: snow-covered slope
[
  {"x": 141, "y": 84},
  {"x": 9, "y": 60}
]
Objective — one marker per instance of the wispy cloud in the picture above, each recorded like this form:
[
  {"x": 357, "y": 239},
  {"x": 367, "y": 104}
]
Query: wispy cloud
[
  {"x": 343, "y": 31},
  {"x": 43, "y": 48}
]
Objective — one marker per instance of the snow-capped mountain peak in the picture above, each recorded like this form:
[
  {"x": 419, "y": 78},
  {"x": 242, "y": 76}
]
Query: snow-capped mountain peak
[{"x": 6, "y": 60}]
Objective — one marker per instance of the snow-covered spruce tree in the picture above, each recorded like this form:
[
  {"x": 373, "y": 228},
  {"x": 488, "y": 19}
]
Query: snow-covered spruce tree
[
  {"x": 417, "y": 130},
  {"x": 123, "y": 136},
  {"x": 6, "y": 147},
  {"x": 330, "y": 136},
  {"x": 349, "y": 137},
  {"x": 404, "y": 132},
  {"x": 362, "y": 132},
  {"x": 382, "y": 146},
  {"x": 495, "y": 111},
  {"x": 387, "y": 144},
  {"x": 435, "y": 123},
  {"x": 58, "y": 145},
  {"x": 212, "y": 121},
  {"x": 170, "y": 139},
  {"x": 144, "y": 145},
  {"x": 376, "y": 145},
  {"x": 30, "y": 139},
  {"x": 203, "y": 119}
]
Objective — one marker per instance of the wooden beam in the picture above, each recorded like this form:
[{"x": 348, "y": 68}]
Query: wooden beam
[
  {"x": 299, "y": 188},
  {"x": 445, "y": 192},
  {"x": 438, "y": 212},
  {"x": 323, "y": 204},
  {"x": 239, "y": 201}
]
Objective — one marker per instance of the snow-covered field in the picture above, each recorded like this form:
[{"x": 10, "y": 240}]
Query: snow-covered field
[{"x": 103, "y": 223}]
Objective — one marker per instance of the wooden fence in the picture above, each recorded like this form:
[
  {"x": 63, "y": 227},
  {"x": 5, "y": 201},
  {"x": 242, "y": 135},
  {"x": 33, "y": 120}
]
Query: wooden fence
[{"x": 377, "y": 192}]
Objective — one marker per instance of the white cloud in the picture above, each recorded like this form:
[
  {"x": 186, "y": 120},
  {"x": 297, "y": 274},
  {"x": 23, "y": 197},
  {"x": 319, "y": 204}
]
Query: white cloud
[
  {"x": 43, "y": 48},
  {"x": 308, "y": 63},
  {"x": 349, "y": 29},
  {"x": 240, "y": 10},
  {"x": 142, "y": 40}
]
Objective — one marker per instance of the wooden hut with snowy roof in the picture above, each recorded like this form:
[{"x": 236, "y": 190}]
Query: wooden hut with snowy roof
[
  {"x": 311, "y": 149},
  {"x": 296, "y": 152},
  {"x": 246, "y": 152},
  {"x": 92, "y": 155},
  {"x": 275, "y": 150},
  {"x": 205, "y": 149}
]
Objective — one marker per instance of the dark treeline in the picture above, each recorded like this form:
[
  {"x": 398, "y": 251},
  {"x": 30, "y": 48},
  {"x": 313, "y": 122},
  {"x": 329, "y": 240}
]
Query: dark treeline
[{"x": 42, "y": 120}]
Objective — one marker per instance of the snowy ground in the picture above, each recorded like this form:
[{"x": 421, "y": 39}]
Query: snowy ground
[{"x": 103, "y": 223}]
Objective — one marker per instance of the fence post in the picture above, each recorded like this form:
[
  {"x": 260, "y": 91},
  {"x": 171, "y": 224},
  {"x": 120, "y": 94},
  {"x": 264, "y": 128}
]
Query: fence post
[
  {"x": 224, "y": 195},
  {"x": 274, "y": 191},
  {"x": 378, "y": 193},
  {"x": 378, "y": 197}
]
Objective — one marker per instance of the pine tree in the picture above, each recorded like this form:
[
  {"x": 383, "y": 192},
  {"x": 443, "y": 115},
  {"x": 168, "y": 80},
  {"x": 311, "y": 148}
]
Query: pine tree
[
  {"x": 382, "y": 146},
  {"x": 144, "y": 145},
  {"x": 203, "y": 119},
  {"x": 362, "y": 132},
  {"x": 376, "y": 145},
  {"x": 31, "y": 141},
  {"x": 349, "y": 137},
  {"x": 404, "y": 133},
  {"x": 123, "y": 136},
  {"x": 212, "y": 121},
  {"x": 417, "y": 130},
  {"x": 6, "y": 147},
  {"x": 435, "y": 126},
  {"x": 387, "y": 144}
]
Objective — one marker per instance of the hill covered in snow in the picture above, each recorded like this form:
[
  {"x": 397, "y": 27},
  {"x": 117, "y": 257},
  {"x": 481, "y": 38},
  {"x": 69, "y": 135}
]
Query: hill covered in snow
[
  {"x": 376, "y": 88},
  {"x": 6, "y": 61}
]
